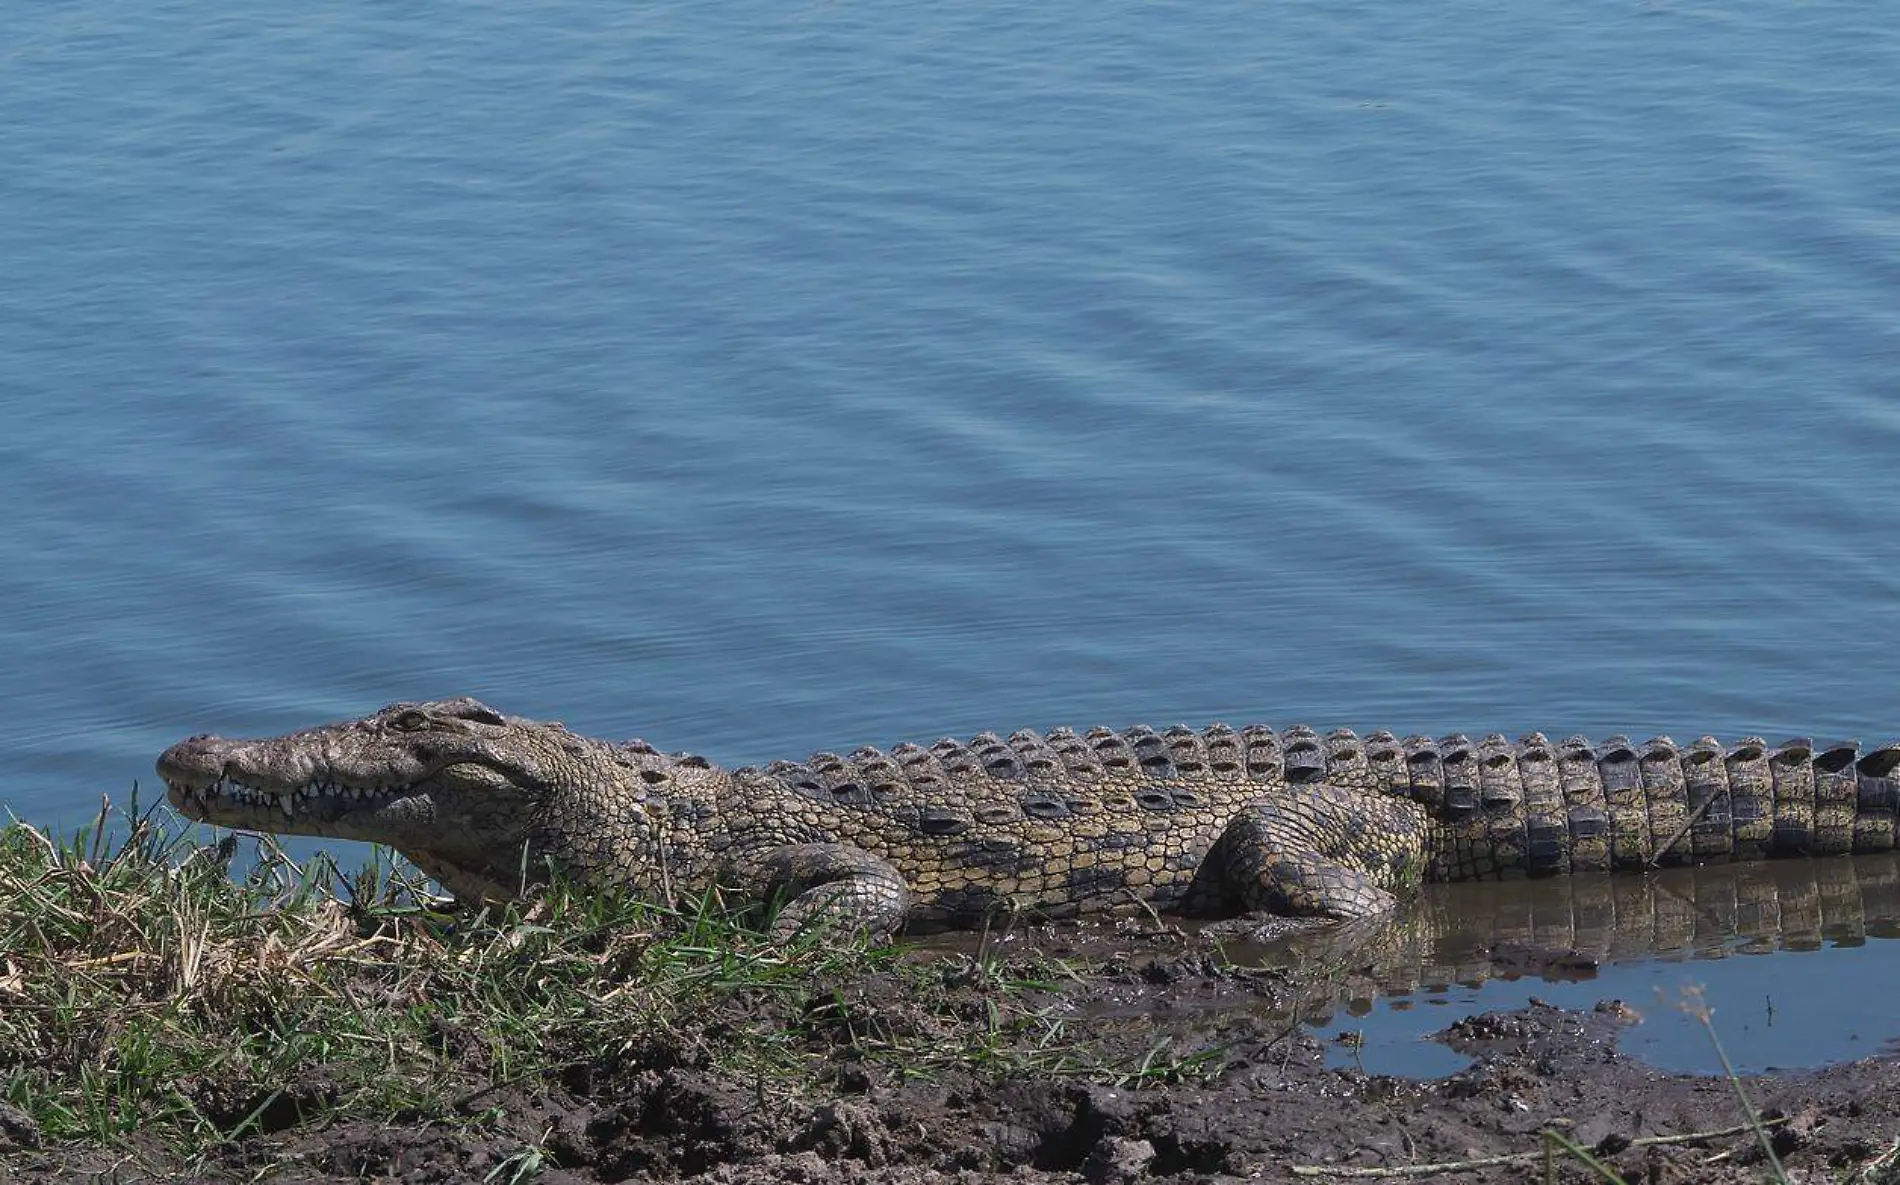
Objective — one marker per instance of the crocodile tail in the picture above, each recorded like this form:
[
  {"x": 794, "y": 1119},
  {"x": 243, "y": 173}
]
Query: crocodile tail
[{"x": 1538, "y": 807}]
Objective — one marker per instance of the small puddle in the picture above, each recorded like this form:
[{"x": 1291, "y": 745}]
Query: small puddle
[
  {"x": 1787, "y": 956},
  {"x": 1770, "y": 1012}
]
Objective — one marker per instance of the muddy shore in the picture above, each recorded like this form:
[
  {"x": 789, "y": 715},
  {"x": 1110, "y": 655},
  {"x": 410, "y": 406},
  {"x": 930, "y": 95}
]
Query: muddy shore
[
  {"x": 1132, "y": 1049},
  {"x": 1268, "y": 1109}
]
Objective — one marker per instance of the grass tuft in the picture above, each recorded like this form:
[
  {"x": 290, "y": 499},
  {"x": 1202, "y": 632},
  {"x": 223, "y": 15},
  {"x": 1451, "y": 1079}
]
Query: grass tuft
[{"x": 151, "y": 995}]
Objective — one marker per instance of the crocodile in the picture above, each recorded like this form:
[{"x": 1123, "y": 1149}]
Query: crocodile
[{"x": 1214, "y": 821}]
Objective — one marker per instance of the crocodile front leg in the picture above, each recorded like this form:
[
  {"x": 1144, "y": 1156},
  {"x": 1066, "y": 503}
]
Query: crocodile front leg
[
  {"x": 821, "y": 880},
  {"x": 1319, "y": 850}
]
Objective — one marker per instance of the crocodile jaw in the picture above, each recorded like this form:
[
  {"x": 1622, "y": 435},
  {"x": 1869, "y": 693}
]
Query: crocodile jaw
[
  {"x": 319, "y": 807},
  {"x": 454, "y": 786}
]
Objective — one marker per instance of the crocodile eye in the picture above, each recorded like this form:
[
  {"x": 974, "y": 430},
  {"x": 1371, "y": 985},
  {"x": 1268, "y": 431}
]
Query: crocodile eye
[{"x": 413, "y": 720}]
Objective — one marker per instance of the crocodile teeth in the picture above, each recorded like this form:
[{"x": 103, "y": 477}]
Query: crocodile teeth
[{"x": 227, "y": 792}]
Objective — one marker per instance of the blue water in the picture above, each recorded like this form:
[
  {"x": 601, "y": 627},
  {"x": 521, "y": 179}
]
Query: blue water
[
  {"x": 1768, "y": 1013},
  {"x": 763, "y": 377}
]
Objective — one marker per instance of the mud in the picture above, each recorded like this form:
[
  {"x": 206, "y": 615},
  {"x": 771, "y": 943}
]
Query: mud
[
  {"x": 1270, "y": 1100},
  {"x": 1274, "y": 1108}
]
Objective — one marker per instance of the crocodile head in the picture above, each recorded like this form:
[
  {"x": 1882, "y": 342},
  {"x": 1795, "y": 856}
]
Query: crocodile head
[{"x": 474, "y": 798}]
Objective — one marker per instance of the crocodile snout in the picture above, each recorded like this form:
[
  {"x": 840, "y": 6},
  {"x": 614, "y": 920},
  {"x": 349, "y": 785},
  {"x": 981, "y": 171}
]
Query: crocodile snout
[{"x": 194, "y": 761}]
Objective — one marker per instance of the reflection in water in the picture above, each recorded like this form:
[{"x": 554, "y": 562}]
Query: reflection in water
[
  {"x": 1566, "y": 927},
  {"x": 1625, "y": 937}
]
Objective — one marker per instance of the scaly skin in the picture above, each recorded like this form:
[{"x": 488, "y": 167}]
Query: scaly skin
[{"x": 1207, "y": 822}]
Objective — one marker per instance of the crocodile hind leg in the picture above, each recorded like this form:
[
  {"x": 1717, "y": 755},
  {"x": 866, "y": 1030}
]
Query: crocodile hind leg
[
  {"x": 1320, "y": 850},
  {"x": 834, "y": 881}
]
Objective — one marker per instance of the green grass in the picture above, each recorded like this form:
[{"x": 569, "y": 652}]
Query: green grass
[{"x": 146, "y": 991}]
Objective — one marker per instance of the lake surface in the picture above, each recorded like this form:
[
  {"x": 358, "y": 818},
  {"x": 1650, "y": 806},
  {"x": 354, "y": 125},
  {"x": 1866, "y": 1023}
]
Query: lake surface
[{"x": 768, "y": 377}]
